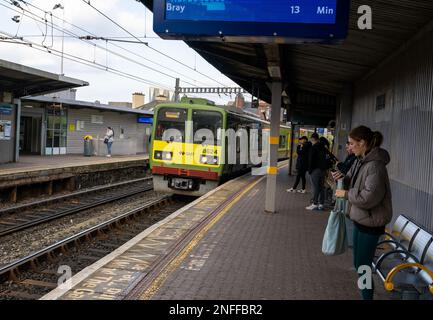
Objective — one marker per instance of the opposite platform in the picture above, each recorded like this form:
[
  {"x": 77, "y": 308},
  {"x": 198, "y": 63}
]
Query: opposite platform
[
  {"x": 33, "y": 164},
  {"x": 35, "y": 176}
]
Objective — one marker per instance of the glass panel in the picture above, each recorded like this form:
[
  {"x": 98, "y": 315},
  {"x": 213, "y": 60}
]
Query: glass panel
[
  {"x": 49, "y": 143},
  {"x": 56, "y": 139},
  {"x": 208, "y": 122},
  {"x": 56, "y": 123},
  {"x": 64, "y": 124},
  {"x": 63, "y": 140},
  {"x": 282, "y": 142},
  {"x": 50, "y": 122},
  {"x": 171, "y": 118}
]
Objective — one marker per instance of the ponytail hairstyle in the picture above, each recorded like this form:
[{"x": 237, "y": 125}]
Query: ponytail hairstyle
[{"x": 372, "y": 138}]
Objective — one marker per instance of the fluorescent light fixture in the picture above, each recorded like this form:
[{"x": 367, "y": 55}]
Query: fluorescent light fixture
[
  {"x": 286, "y": 98},
  {"x": 274, "y": 71}
]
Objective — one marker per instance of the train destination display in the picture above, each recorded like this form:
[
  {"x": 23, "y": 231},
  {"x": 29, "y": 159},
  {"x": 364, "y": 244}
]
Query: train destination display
[
  {"x": 253, "y": 21},
  {"x": 283, "y": 11}
]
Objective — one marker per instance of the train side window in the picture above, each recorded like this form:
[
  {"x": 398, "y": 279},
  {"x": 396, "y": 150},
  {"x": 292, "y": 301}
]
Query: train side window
[{"x": 282, "y": 143}]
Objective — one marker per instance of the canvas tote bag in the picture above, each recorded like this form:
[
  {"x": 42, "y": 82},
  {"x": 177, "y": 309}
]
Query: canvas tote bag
[{"x": 335, "y": 237}]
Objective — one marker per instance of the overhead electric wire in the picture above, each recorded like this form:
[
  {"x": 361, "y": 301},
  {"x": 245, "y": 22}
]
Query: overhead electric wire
[
  {"x": 88, "y": 63},
  {"x": 124, "y": 57},
  {"x": 111, "y": 38},
  {"x": 147, "y": 45},
  {"x": 83, "y": 61},
  {"x": 95, "y": 45},
  {"x": 102, "y": 48}
]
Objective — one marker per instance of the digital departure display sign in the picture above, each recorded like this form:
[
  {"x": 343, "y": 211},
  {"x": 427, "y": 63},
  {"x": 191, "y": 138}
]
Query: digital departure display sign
[
  {"x": 279, "y": 11},
  {"x": 145, "y": 119},
  {"x": 253, "y": 21}
]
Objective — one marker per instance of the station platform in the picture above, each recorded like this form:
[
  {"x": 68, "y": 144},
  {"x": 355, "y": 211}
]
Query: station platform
[
  {"x": 54, "y": 173},
  {"x": 28, "y": 164},
  {"x": 223, "y": 246}
]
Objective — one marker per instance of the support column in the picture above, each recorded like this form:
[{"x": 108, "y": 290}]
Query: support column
[
  {"x": 344, "y": 121},
  {"x": 13, "y": 196},
  {"x": 17, "y": 103},
  {"x": 49, "y": 190},
  {"x": 271, "y": 182},
  {"x": 292, "y": 139},
  {"x": 71, "y": 184}
]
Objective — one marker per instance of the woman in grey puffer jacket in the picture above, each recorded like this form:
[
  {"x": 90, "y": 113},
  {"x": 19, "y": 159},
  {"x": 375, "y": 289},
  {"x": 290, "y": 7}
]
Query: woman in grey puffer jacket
[{"x": 369, "y": 195}]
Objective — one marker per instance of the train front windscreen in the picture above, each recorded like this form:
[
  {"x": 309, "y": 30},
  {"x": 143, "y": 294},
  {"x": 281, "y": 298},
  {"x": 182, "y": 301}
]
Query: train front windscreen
[{"x": 170, "y": 125}]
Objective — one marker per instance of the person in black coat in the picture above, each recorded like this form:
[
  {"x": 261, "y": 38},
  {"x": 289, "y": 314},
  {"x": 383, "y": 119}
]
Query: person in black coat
[
  {"x": 317, "y": 166},
  {"x": 301, "y": 163}
]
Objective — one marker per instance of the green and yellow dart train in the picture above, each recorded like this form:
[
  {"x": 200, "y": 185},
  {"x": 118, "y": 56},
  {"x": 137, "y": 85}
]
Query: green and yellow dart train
[{"x": 189, "y": 152}]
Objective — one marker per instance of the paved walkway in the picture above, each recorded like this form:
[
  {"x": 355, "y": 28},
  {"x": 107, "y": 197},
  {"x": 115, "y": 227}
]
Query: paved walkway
[
  {"x": 252, "y": 255},
  {"x": 223, "y": 246}
]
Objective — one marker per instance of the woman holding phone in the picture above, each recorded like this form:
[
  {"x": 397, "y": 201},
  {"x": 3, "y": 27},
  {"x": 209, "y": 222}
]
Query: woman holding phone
[{"x": 368, "y": 190}]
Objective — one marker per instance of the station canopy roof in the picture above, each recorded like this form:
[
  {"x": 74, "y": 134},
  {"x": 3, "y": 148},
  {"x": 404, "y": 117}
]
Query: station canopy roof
[
  {"x": 24, "y": 81},
  {"x": 77, "y": 104},
  {"x": 313, "y": 75}
]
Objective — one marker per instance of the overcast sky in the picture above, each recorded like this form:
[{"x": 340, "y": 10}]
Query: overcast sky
[{"x": 104, "y": 86}]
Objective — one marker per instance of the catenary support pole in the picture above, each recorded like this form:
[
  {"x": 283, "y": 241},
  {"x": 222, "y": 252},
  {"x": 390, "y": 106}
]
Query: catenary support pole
[{"x": 176, "y": 90}]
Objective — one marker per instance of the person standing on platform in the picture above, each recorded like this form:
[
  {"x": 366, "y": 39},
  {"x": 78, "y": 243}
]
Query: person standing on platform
[
  {"x": 108, "y": 140},
  {"x": 301, "y": 164},
  {"x": 330, "y": 158},
  {"x": 345, "y": 166},
  {"x": 316, "y": 168},
  {"x": 329, "y": 185},
  {"x": 369, "y": 195}
]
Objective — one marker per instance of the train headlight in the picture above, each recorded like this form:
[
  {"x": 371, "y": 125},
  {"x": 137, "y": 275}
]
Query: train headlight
[
  {"x": 158, "y": 155},
  {"x": 215, "y": 160},
  {"x": 203, "y": 159},
  {"x": 168, "y": 155}
]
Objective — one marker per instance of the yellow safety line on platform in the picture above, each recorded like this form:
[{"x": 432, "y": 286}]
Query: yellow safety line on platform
[{"x": 175, "y": 263}]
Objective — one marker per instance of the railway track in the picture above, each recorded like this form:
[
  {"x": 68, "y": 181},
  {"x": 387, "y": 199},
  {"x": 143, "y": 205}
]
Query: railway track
[
  {"x": 36, "y": 274},
  {"x": 25, "y": 216}
]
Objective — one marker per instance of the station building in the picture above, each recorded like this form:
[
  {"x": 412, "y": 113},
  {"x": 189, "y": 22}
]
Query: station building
[
  {"x": 56, "y": 124},
  {"x": 18, "y": 81},
  {"x": 39, "y": 115}
]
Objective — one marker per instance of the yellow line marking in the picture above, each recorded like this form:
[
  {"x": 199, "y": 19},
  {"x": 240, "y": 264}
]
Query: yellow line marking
[
  {"x": 273, "y": 170},
  {"x": 175, "y": 263},
  {"x": 274, "y": 140}
]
